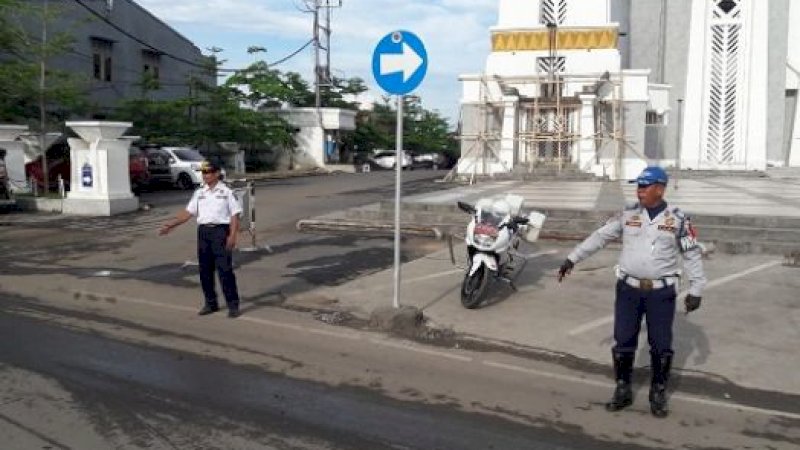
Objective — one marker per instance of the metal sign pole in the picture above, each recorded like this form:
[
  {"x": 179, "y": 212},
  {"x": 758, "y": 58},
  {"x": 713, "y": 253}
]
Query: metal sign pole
[
  {"x": 398, "y": 162},
  {"x": 399, "y": 63}
]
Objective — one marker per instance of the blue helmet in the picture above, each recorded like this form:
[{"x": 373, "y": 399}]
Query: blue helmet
[{"x": 652, "y": 175}]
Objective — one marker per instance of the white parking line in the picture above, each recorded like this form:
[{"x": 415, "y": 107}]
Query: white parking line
[
  {"x": 609, "y": 385},
  {"x": 454, "y": 271},
  {"x": 588, "y": 326},
  {"x": 432, "y": 276}
]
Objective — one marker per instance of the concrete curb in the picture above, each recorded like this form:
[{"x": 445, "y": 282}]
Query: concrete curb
[
  {"x": 383, "y": 229},
  {"x": 287, "y": 174}
]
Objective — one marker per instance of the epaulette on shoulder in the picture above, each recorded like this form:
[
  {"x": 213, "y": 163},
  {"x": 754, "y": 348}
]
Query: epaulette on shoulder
[
  {"x": 678, "y": 213},
  {"x": 630, "y": 206}
]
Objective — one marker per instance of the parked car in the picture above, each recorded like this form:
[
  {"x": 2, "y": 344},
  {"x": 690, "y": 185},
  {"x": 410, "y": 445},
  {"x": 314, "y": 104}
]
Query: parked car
[
  {"x": 58, "y": 164},
  {"x": 179, "y": 166},
  {"x": 138, "y": 167},
  {"x": 6, "y": 198},
  {"x": 425, "y": 161},
  {"x": 387, "y": 160},
  {"x": 446, "y": 161}
]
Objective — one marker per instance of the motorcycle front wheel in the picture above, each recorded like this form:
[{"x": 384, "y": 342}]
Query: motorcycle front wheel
[{"x": 473, "y": 286}]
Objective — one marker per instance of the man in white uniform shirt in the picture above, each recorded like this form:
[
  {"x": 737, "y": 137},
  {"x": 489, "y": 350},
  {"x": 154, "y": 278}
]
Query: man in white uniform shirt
[{"x": 217, "y": 211}]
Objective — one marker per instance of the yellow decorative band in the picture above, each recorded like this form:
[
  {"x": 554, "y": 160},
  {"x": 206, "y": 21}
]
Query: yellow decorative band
[{"x": 566, "y": 39}]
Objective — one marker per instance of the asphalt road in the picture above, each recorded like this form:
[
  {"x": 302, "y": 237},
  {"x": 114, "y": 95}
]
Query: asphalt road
[{"x": 64, "y": 388}]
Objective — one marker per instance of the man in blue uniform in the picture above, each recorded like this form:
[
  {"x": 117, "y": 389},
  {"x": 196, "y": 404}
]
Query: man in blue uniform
[
  {"x": 653, "y": 235},
  {"x": 217, "y": 211}
]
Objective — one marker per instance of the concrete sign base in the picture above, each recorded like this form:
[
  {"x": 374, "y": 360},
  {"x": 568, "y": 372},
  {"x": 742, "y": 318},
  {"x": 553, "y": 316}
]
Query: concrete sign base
[
  {"x": 100, "y": 178},
  {"x": 99, "y": 207}
]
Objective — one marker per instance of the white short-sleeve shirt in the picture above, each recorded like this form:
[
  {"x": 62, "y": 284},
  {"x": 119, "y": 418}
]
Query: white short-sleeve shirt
[{"x": 214, "y": 205}]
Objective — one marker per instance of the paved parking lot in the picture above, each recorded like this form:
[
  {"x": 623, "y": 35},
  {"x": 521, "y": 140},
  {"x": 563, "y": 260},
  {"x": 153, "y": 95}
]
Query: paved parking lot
[{"x": 745, "y": 335}]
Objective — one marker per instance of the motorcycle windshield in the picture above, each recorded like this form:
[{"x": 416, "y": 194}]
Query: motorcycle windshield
[
  {"x": 489, "y": 218},
  {"x": 488, "y": 223}
]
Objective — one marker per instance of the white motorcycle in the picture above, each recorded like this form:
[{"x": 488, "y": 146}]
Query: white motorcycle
[{"x": 493, "y": 236}]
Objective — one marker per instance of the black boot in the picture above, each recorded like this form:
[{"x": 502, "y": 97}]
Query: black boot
[
  {"x": 658, "y": 386},
  {"x": 623, "y": 395}
]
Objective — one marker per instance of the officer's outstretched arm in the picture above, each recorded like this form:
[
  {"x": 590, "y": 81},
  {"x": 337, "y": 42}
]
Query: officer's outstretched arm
[
  {"x": 597, "y": 240},
  {"x": 180, "y": 218}
]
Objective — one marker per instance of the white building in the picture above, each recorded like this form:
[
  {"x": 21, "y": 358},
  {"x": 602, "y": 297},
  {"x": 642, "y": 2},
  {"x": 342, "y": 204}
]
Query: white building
[
  {"x": 617, "y": 84},
  {"x": 318, "y": 133}
]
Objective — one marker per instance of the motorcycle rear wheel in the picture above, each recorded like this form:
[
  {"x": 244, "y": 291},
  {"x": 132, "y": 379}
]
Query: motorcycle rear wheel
[{"x": 473, "y": 286}]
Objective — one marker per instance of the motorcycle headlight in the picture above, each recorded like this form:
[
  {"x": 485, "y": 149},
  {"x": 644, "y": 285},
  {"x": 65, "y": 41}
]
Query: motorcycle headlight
[{"x": 485, "y": 240}]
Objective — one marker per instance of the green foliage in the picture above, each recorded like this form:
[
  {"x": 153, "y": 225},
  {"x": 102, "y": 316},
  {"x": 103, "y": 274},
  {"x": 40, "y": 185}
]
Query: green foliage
[
  {"x": 260, "y": 86},
  {"x": 423, "y": 131},
  {"x": 21, "y": 53},
  {"x": 213, "y": 114},
  {"x": 333, "y": 96}
]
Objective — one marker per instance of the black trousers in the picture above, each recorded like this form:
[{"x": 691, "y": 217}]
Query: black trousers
[
  {"x": 658, "y": 307},
  {"x": 211, "y": 255}
]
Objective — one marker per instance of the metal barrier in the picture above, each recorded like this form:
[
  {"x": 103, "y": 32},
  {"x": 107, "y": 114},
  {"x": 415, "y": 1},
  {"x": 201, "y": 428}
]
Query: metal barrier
[{"x": 245, "y": 192}]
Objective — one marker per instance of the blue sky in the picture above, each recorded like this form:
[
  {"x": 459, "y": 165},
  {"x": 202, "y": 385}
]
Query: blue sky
[{"x": 455, "y": 33}]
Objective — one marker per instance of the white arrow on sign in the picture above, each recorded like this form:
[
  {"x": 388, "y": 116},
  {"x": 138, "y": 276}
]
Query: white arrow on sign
[{"x": 408, "y": 61}]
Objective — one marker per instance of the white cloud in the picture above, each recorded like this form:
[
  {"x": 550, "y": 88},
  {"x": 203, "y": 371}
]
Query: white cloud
[{"x": 455, "y": 33}]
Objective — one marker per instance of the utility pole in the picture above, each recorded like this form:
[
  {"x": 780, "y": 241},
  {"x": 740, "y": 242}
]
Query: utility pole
[
  {"x": 322, "y": 42},
  {"x": 679, "y": 142},
  {"x": 42, "y": 114},
  {"x": 662, "y": 50}
]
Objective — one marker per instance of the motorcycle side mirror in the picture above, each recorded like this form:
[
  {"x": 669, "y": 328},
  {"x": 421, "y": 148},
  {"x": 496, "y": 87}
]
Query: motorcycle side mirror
[
  {"x": 466, "y": 207},
  {"x": 521, "y": 220}
]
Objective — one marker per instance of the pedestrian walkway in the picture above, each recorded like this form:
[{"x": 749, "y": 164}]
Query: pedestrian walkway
[
  {"x": 143, "y": 221},
  {"x": 713, "y": 196}
]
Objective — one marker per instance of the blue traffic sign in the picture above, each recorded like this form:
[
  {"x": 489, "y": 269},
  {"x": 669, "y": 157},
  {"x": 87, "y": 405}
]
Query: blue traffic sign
[{"x": 399, "y": 62}]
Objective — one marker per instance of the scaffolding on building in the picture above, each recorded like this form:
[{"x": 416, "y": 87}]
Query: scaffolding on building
[
  {"x": 550, "y": 132},
  {"x": 550, "y": 104}
]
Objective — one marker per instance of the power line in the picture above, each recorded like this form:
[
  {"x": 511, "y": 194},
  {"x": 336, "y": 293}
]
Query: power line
[
  {"x": 291, "y": 55},
  {"x": 178, "y": 58},
  {"x": 155, "y": 49}
]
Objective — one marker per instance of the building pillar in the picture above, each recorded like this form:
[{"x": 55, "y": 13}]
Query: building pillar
[
  {"x": 725, "y": 124},
  {"x": 586, "y": 156},
  {"x": 100, "y": 176},
  {"x": 15, "y": 156},
  {"x": 794, "y": 145},
  {"x": 757, "y": 90},
  {"x": 509, "y": 133}
]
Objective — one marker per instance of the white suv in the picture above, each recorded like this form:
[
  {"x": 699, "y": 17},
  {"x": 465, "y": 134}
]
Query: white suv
[
  {"x": 386, "y": 159},
  {"x": 176, "y": 165}
]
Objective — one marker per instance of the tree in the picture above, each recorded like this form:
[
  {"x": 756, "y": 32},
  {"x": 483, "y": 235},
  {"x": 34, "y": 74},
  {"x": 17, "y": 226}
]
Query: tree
[
  {"x": 28, "y": 88},
  {"x": 213, "y": 114},
  {"x": 262, "y": 87},
  {"x": 24, "y": 54},
  {"x": 333, "y": 96},
  {"x": 423, "y": 131}
]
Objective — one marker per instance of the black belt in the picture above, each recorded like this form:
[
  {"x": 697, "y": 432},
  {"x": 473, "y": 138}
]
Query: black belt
[{"x": 212, "y": 225}]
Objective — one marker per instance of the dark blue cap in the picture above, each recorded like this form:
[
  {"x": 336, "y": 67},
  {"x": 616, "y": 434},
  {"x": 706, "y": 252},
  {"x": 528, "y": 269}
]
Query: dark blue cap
[
  {"x": 209, "y": 166},
  {"x": 651, "y": 175}
]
